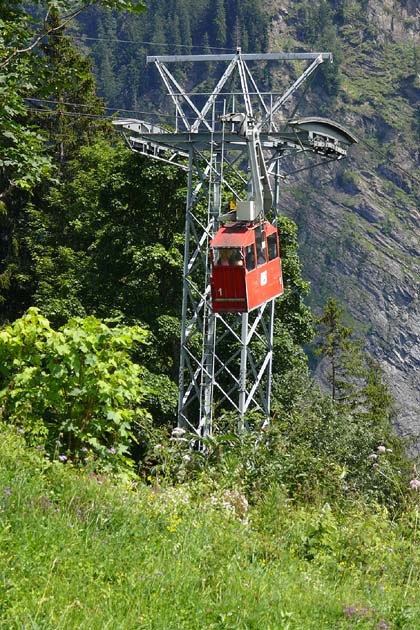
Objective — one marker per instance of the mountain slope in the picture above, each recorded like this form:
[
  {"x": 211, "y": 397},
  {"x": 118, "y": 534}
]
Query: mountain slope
[{"x": 359, "y": 221}]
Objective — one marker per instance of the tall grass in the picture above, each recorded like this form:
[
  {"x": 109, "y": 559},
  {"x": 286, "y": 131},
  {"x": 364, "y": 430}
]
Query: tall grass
[{"x": 81, "y": 551}]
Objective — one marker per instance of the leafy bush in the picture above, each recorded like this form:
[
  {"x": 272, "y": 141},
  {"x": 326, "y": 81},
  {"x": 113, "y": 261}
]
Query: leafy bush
[
  {"x": 76, "y": 388},
  {"x": 315, "y": 454}
]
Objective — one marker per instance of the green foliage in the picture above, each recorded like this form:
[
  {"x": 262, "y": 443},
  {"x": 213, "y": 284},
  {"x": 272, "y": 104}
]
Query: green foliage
[
  {"x": 293, "y": 324},
  {"x": 356, "y": 381},
  {"x": 343, "y": 353},
  {"x": 181, "y": 26},
  {"x": 314, "y": 452},
  {"x": 316, "y": 26},
  {"x": 33, "y": 64},
  {"x": 291, "y": 310},
  {"x": 75, "y": 387},
  {"x": 110, "y": 231},
  {"x": 70, "y": 116},
  {"x": 193, "y": 556},
  {"x": 23, "y": 162}
]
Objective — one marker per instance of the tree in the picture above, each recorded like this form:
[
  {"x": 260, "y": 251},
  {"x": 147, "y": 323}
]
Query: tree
[
  {"x": 377, "y": 406},
  {"x": 317, "y": 28},
  {"x": 293, "y": 324},
  {"x": 36, "y": 139},
  {"x": 343, "y": 353},
  {"x": 218, "y": 24},
  {"x": 107, "y": 77},
  {"x": 69, "y": 112},
  {"x": 16, "y": 20},
  {"x": 23, "y": 161}
]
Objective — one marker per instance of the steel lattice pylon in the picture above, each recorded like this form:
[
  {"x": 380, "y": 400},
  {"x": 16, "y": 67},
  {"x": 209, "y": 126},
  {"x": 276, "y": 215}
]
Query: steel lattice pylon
[{"x": 226, "y": 359}]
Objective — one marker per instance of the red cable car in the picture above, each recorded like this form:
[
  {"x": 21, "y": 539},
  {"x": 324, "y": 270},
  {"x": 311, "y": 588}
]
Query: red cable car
[{"x": 246, "y": 267}]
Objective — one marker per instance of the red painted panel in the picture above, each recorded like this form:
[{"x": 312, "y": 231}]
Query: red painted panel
[
  {"x": 264, "y": 283},
  {"x": 228, "y": 289},
  {"x": 234, "y": 235}
]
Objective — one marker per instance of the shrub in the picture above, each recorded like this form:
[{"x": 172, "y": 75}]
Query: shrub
[{"x": 76, "y": 389}]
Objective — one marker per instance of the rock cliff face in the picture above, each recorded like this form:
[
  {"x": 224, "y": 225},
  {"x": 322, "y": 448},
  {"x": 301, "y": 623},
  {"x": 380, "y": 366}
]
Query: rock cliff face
[{"x": 359, "y": 219}]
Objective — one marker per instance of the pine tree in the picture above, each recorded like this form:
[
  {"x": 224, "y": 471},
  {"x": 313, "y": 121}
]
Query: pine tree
[
  {"x": 343, "y": 353},
  {"x": 218, "y": 24},
  {"x": 71, "y": 107},
  {"x": 107, "y": 67},
  {"x": 377, "y": 403}
]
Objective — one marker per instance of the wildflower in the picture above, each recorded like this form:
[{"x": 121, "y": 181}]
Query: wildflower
[
  {"x": 39, "y": 447},
  {"x": 21, "y": 431},
  {"x": 236, "y": 502},
  {"x": 186, "y": 458},
  {"x": 7, "y": 491},
  {"x": 58, "y": 442},
  {"x": 158, "y": 447},
  {"x": 62, "y": 458},
  {"x": 373, "y": 456},
  {"x": 178, "y": 432},
  {"x": 381, "y": 449},
  {"x": 111, "y": 451},
  {"x": 415, "y": 484}
]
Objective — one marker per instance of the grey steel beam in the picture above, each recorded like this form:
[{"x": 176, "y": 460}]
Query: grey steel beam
[
  {"x": 326, "y": 56},
  {"x": 282, "y": 99}
]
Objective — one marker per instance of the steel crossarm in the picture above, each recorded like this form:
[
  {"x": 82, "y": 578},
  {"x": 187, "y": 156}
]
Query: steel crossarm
[
  {"x": 228, "y": 72},
  {"x": 257, "y": 91},
  {"x": 183, "y": 94},
  {"x": 246, "y": 56},
  {"x": 282, "y": 99}
]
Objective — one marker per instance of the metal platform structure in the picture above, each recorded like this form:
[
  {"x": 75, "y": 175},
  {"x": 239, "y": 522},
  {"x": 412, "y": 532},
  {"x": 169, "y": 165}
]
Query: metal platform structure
[{"x": 226, "y": 359}]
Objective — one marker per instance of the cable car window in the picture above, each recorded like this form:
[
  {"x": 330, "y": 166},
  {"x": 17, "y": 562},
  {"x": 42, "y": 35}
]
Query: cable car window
[
  {"x": 260, "y": 246},
  {"x": 227, "y": 256},
  {"x": 272, "y": 246},
  {"x": 250, "y": 257}
]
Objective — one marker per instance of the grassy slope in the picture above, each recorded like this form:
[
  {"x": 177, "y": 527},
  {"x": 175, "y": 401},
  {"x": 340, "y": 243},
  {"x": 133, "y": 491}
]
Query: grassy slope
[{"x": 78, "y": 551}]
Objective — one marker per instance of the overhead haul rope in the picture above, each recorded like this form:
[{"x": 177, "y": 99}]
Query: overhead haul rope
[{"x": 132, "y": 41}]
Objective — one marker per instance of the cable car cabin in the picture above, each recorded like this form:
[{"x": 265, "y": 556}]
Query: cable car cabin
[{"x": 246, "y": 267}]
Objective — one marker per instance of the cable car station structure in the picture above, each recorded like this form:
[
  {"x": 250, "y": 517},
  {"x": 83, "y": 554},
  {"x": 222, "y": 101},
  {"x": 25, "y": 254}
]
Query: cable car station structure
[{"x": 232, "y": 144}]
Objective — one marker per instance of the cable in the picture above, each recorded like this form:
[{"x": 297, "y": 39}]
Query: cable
[
  {"x": 105, "y": 107},
  {"x": 57, "y": 113},
  {"x": 133, "y": 41}
]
